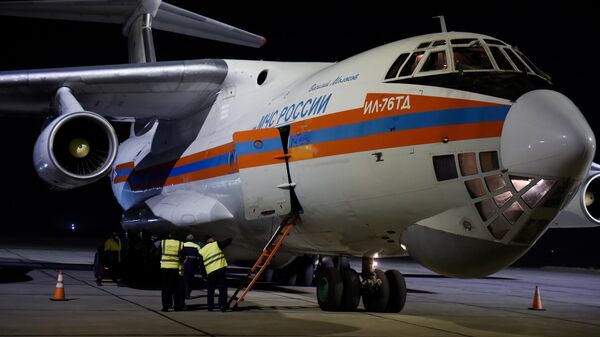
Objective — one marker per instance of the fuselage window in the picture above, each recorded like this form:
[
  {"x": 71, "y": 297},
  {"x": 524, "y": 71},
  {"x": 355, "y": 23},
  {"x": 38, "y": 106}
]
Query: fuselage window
[
  {"x": 515, "y": 59},
  {"x": 445, "y": 167},
  {"x": 435, "y": 61},
  {"x": 471, "y": 58},
  {"x": 396, "y": 66},
  {"x": 412, "y": 63},
  {"x": 501, "y": 59}
]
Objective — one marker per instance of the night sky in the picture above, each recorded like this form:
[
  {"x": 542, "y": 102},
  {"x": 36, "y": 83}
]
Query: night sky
[{"x": 560, "y": 39}]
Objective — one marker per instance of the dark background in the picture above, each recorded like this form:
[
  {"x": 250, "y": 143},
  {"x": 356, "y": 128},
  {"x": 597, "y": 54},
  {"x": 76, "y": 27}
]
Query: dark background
[{"x": 560, "y": 38}]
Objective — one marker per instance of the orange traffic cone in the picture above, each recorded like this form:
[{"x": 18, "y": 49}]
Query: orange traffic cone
[
  {"x": 537, "y": 300},
  {"x": 59, "y": 291}
]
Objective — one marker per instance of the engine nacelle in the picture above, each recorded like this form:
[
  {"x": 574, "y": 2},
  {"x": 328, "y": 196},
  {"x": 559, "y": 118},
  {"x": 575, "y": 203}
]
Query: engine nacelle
[
  {"x": 582, "y": 210},
  {"x": 75, "y": 149}
]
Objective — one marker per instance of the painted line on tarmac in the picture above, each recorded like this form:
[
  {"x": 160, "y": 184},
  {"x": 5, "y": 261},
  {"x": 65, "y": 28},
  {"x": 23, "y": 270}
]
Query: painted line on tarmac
[{"x": 144, "y": 307}]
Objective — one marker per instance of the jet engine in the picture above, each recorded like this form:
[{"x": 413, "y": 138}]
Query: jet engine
[
  {"x": 589, "y": 190},
  {"x": 583, "y": 210},
  {"x": 75, "y": 149}
]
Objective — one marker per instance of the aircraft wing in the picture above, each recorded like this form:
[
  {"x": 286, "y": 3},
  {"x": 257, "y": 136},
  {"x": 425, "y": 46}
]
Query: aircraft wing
[
  {"x": 165, "y": 17},
  {"x": 118, "y": 92}
]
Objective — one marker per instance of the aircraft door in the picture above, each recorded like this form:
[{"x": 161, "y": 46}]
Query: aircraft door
[{"x": 262, "y": 163}]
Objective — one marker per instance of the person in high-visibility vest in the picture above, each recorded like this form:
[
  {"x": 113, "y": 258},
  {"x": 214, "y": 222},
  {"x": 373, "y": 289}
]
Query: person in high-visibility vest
[
  {"x": 170, "y": 262},
  {"x": 215, "y": 265},
  {"x": 190, "y": 264},
  {"x": 112, "y": 256}
]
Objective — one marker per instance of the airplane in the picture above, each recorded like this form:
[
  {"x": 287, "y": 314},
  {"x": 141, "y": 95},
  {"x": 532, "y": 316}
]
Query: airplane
[{"x": 451, "y": 147}]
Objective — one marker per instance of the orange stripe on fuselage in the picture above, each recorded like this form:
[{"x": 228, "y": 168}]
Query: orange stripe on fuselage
[{"x": 398, "y": 139}]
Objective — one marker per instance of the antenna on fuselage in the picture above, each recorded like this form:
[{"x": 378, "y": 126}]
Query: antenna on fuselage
[{"x": 442, "y": 22}]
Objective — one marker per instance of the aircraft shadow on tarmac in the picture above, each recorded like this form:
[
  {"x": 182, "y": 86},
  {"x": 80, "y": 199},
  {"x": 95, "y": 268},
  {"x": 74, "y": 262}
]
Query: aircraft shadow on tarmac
[
  {"x": 14, "y": 275},
  {"x": 15, "y": 270}
]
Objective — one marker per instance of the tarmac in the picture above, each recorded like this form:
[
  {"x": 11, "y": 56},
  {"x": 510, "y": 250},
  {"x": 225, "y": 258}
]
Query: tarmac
[{"x": 435, "y": 306}]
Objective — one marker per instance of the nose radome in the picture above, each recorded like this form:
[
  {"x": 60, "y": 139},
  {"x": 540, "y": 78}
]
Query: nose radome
[{"x": 545, "y": 134}]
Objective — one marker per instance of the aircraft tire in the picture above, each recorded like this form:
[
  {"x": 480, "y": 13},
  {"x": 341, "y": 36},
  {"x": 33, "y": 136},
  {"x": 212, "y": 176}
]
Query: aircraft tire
[
  {"x": 397, "y": 297},
  {"x": 351, "y": 294},
  {"x": 376, "y": 300},
  {"x": 330, "y": 288}
]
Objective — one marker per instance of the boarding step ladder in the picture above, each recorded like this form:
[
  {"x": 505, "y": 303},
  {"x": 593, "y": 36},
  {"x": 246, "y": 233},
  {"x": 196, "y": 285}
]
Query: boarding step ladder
[{"x": 263, "y": 261}]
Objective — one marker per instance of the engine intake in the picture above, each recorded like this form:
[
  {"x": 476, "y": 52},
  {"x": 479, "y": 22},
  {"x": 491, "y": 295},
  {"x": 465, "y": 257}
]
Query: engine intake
[
  {"x": 75, "y": 149},
  {"x": 589, "y": 190}
]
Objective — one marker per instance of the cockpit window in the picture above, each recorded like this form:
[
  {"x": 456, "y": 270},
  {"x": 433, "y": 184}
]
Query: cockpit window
[
  {"x": 495, "y": 42},
  {"x": 471, "y": 58},
  {"x": 396, "y": 66},
  {"x": 533, "y": 66},
  {"x": 515, "y": 59},
  {"x": 501, "y": 59},
  {"x": 412, "y": 63},
  {"x": 463, "y": 41},
  {"x": 467, "y": 54},
  {"x": 435, "y": 61},
  {"x": 424, "y": 45}
]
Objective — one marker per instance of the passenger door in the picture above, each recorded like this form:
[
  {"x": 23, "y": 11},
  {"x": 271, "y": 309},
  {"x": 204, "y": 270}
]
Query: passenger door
[{"x": 262, "y": 163}]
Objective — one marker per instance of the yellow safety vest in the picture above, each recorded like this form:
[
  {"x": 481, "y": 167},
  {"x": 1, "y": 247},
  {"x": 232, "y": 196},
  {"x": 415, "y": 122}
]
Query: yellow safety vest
[
  {"x": 113, "y": 245},
  {"x": 170, "y": 253},
  {"x": 213, "y": 257}
]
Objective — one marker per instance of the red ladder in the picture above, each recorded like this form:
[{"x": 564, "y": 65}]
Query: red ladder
[{"x": 263, "y": 261}]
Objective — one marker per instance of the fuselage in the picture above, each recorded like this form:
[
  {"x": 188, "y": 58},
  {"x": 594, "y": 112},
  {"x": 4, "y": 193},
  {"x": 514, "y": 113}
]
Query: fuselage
[{"x": 419, "y": 142}]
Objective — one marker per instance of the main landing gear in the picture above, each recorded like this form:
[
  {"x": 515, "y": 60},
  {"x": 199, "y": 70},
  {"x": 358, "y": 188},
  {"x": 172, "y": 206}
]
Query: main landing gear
[{"x": 339, "y": 287}]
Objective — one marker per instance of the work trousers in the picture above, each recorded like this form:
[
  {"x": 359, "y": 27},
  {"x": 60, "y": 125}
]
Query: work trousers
[
  {"x": 171, "y": 289},
  {"x": 189, "y": 271},
  {"x": 217, "y": 280}
]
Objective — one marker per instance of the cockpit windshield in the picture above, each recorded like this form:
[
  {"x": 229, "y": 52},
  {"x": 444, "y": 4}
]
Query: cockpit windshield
[{"x": 461, "y": 55}]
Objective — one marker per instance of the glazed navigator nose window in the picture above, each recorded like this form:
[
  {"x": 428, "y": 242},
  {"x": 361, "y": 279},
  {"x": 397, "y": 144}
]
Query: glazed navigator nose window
[{"x": 445, "y": 167}]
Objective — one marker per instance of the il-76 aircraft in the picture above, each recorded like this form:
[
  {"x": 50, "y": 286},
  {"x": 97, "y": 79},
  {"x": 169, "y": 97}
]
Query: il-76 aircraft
[{"x": 453, "y": 148}]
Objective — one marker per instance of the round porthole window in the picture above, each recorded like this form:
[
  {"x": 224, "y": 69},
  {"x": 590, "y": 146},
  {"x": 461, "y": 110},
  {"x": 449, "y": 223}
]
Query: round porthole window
[{"x": 262, "y": 77}]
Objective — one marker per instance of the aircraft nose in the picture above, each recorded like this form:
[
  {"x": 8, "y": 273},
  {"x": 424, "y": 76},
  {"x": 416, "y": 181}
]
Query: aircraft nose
[{"x": 545, "y": 134}]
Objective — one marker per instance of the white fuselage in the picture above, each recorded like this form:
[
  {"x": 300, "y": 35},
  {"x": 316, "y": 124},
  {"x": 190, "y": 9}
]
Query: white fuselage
[{"x": 360, "y": 151}]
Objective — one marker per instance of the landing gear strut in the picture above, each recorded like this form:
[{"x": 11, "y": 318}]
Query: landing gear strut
[{"x": 339, "y": 287}]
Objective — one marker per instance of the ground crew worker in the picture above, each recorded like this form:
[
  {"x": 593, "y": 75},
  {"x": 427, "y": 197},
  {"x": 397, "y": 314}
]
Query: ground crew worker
[
  {"x": 190, "y": 264},
  {"x": 112, "y": 256},
  {"x": 170, "y": 261},
  {"x": 215, "y": 266}
]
